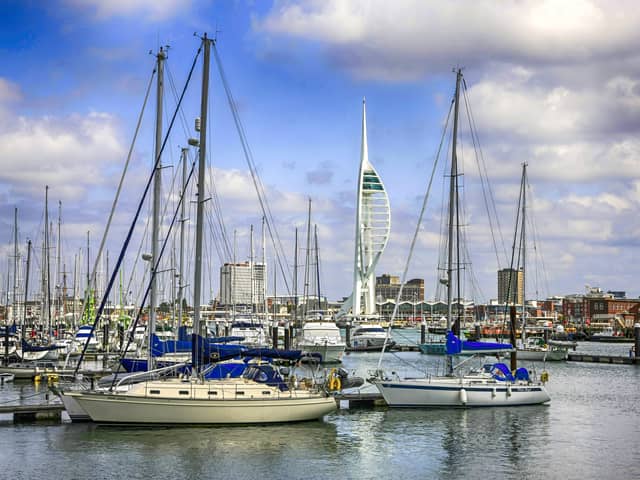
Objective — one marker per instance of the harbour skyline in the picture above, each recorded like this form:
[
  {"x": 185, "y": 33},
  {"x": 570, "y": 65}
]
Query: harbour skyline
[{"x": 554, "y": 84}]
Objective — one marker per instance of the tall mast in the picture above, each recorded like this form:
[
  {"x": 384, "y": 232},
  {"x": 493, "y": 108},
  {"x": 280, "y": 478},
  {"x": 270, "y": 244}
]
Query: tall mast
[
  {"x": 306, "y": 263},
  {"x": 315, "y": 236},
  {"x": 524, "y": 248},
  {"x": 88, "y": 277},
  {"x": 155, "y": 225},
  {"x": 58, "y": 271},
  {"x": 15, "y": 265},
  {"x": 200, "y": 207},
  {"x": 295, "y": 281},
  {"x": 182, "y": 220},
  {"x": 251, "y": 272},
  {"x": 26, "y": 290},
  {"x": 46, "y": 247},
  {"x": 453, "y": 207},
  {"x": 264, "y": 270}
]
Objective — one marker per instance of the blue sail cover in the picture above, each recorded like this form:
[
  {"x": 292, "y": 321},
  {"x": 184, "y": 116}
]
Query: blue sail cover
[
  {"x": 162, "y": 347},
  {"x": 455, "y": 346},
  {"x": 27, "y": 347}
]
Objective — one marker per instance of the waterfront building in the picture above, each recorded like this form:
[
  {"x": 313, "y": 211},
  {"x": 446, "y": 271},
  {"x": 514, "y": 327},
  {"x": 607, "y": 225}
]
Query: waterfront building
[
  {"x": 511, "y": 286},
  {"x": 388, "y": 286},
  {"x": 242, "y": 283}
]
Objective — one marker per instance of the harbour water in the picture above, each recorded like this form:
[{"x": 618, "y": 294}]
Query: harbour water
[{"x": 589, "y": 430}]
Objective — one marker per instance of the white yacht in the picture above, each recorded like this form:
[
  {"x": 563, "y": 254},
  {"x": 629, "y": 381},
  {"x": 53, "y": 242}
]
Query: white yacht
[
  {"x": 322, "y": 337},
  {"x": 369, "y": 337}
]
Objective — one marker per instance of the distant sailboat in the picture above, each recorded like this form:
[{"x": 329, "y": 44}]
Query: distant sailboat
[{"x": 494, "y": 384}]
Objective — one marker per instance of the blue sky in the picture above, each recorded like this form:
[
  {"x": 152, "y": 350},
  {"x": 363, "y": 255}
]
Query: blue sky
[{"x": 551, "y": 83}]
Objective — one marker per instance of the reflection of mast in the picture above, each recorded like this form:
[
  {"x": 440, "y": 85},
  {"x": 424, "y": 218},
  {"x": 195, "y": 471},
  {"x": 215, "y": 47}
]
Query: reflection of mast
[{"x": 373, "y": 223}]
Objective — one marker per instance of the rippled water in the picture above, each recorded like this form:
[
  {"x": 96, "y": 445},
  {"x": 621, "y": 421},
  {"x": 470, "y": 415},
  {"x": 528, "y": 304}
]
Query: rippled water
[{"x": 590, "y": 430}]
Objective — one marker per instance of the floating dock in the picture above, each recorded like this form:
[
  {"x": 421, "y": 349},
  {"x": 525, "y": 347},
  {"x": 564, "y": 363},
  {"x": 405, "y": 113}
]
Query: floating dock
[
  {"x": 359, "y": 399},
  {"x": 31, "y": 413},
  {"x": 590, "y": 358}
]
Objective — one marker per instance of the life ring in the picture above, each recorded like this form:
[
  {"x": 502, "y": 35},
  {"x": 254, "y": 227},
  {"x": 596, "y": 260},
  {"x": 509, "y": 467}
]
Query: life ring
[
  {"x": 333, "y": 382},
  {"x": 544, "y": 377}
]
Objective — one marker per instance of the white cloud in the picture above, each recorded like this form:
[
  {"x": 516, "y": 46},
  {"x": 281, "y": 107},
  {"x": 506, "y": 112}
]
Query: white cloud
[
  {"x": 66, "y": 153},
  {"x": 401, "y": 41}
]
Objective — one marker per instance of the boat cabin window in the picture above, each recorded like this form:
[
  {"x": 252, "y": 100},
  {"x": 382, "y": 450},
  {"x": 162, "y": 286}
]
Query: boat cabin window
[
  {"x": 184, "y": 392},
  {"x": 213, "y": 393},
  {"x": 154, "y": 392}
]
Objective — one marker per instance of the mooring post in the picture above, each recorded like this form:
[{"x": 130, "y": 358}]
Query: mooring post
[{"x": 423, "y": 332}]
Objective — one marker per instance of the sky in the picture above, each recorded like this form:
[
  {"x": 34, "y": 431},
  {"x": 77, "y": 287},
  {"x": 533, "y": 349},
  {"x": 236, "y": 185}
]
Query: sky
[{"x": 551, "y": 83}]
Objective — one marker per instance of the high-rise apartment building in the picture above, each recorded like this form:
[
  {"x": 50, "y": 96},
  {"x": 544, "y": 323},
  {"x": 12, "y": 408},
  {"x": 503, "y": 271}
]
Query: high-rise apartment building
[{"x": 511, "y": 286}]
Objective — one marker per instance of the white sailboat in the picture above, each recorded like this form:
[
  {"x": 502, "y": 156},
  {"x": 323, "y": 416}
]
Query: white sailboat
[
  {"x": 319, "y": 334},
  {"x": 262, "y": 395},
  {"x": 492, "y": 385},
  {"x": 531, "y": 348}
]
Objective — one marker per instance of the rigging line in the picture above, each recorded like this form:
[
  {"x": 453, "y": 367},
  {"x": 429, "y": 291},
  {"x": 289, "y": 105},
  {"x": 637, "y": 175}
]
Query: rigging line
[
  {"x": 85, "y": 303},
  {"x": 536, "y": 238},
  {"x": 484, "y": 177},
  {"x": 513, "y": 249},
  {"x": 266, "y": 211},
  {"x": 154, "y": 272},
  {"x": 415, "y": 237},
  {"x": 217, "y": 211},
  {"x": 174, "y": 91},
  {"x": 137, "y": 214},
  {"x": 216, "y": 238}
]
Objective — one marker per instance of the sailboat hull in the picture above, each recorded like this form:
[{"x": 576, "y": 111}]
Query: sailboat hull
[
  {"x": 553, "y": 355},
  {"x": 454, "y": 392},
  {"x": 233, "y": 403}
]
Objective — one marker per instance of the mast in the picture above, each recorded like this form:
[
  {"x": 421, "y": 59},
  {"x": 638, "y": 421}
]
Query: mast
[
  {"x": 306, "y": 263},
  {"x": 46, "y": 299},
  {"x": 182, "y": 220},
  {"x": 264, "y": 271},
  {"x": 315, "y": 235},
  {"x": 200, "y": 205},
  {"x": 251, "y": 273},
  {"x": 155, "y": 229},
  {"x": 524, "y": 245},
  {"x": 453, "y": 207},
  {"x": 58, "y": 271},
  {"x": 15, "y": 266},
  {"x": 295, "y": 281},
  {"x": 26, "y": 290}
]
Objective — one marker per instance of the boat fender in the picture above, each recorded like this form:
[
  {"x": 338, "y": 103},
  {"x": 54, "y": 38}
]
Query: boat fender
[
  {"x": 544, "y": 377},
  {"x": 493, "y": 392},
  {"x": 508, "y": 390},
  {"x": 463, "y": 396}
]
